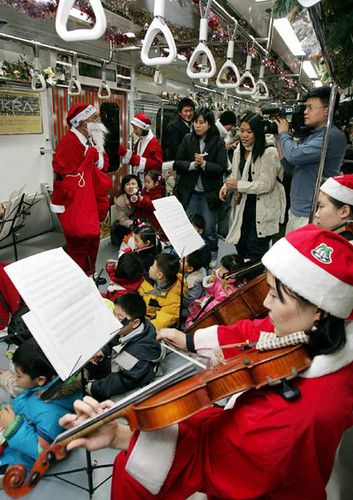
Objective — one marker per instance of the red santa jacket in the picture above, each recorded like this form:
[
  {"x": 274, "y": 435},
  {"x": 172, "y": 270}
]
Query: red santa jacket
[
  {"x": 79, "y": 186},
  {"x": 10, "y": 296},
  {"x": 147, "y": 154},
  {"x": 120, "y": 286},
  {"x": 262, "y": 447},
  {"x": 144, "y": 208}
]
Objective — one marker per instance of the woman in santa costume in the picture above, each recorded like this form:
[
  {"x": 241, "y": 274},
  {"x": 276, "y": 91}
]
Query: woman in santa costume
[
  {"x": 335, "y": 205},
  {"x": 80, "y": 195},
  {"x": 147, "y": 153},
  {"x": 262, "y": 445}
]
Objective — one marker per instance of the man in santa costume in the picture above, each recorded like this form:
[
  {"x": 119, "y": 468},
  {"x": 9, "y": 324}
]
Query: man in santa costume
[
  {"x": 147, "y": 153},
  {"x": 80, "y": 195},
  {"x": 270, "y": 442}
]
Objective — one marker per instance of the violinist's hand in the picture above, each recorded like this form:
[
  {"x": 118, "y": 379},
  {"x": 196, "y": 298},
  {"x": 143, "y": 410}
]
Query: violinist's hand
[
  {"x": 97, "y": 358},
  {"x": 173, "y": 336},
  {"x": 110, "y": 435},
  {"x": 223, "y": 193}
]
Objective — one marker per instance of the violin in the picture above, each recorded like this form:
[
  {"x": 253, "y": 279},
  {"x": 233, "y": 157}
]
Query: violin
[
  {"x": 245, "y": 303},
  {"x": 251, "y": 369}
]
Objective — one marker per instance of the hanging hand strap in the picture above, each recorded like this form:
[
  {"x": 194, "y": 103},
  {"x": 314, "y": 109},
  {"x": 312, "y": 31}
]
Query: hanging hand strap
[
  {"x": 74, "y": 84},
  {"x": 94, "y": 33},
  {"x": 157, "y": 26},
  {"x": 37, "y": 77},
  {"x": 104, "y": 89},
  {"x": 261, "y": 89},
  {"x": 247, "y": 75},
  {"x": 229, "y": 64},
  {"x": 202, "y": 49}
]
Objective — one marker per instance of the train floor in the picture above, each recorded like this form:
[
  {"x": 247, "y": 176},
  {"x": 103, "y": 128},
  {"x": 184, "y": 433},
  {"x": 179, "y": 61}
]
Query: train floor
[{"x": 57, "y": 488}]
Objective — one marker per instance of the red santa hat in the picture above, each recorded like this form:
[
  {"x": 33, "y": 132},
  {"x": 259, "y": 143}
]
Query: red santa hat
[
  {"x": 316, "y": 264},
  {"x": 79, "y": 113},
  {"x": 141, "y": 120},
  {"x": 340, "y": 188}
]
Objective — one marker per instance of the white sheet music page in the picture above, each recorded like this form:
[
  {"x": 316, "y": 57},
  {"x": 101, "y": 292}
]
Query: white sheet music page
[
  {"x": 68, "y": 317},
  {"x": 176, "y": 225}
]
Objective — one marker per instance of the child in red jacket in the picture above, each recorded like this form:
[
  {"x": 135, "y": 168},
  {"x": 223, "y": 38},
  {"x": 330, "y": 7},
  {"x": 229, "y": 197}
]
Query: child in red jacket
[
  {"x": 126, "y": 275},
  {"x": 153, "y": 189}
]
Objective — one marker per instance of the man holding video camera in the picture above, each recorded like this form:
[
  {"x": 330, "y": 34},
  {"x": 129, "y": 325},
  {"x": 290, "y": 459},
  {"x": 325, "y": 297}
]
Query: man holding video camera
[{"x": 302, "y": 159}]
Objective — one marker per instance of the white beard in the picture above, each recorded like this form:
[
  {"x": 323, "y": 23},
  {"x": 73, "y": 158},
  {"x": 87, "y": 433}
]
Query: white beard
[{"x": 97, "y": 132}]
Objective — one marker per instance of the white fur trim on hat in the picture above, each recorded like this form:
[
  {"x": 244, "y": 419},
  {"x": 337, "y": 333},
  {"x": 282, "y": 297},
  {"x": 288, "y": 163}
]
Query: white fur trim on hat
[
  {"x": 83, "y": 115},
  {"x": 309, "y": 280},
  {"x": 139, "y": 123},
  {"x": 337, "y": 191}
]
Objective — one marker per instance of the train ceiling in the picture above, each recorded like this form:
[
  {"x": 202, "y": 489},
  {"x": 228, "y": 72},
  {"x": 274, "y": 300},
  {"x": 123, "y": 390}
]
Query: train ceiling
[{"x": 130, "y": 16}]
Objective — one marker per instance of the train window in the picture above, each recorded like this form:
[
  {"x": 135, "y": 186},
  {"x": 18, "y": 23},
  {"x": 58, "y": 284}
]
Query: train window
[{"x": 93, "y": 71}]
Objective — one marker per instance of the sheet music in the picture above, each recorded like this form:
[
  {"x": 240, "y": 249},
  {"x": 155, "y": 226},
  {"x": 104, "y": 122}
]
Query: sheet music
[
  {"x": 10, "y": 208},
  {"x": 68, "y": 317},
  {"x": 176, "y": 225}
]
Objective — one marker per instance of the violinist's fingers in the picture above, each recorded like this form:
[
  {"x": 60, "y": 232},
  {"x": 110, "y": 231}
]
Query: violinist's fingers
[
  {"x": 88, "y": 443},
  {"x": 174, "y": 336},
  {"x": 88, "y": 407},
  {"x": 68, "y": 421}
]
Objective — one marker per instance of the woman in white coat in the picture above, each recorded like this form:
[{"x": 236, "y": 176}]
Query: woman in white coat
[{"x": 259, "y": 201}]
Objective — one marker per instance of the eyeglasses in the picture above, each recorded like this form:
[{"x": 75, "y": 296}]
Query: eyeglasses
[{"x": 310, "y": 107}]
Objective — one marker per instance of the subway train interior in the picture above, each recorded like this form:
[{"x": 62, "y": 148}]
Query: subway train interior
[{"x": 209, "y": 108}]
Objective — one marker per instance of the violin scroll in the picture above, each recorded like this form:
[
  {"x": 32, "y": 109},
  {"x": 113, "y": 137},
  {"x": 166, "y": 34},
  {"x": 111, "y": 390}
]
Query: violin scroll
[{"x": 14, "y": 479}]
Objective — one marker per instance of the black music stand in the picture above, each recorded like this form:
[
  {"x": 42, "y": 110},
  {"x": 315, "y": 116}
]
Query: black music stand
[{"x": 16, "y": 217}]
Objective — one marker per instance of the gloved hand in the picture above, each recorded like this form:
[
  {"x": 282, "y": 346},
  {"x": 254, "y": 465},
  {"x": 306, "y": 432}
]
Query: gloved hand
[
  {"x": 122, "y": 150},
  {"x": 135, "y": 160},
  {"x": 92, "y": 154}
]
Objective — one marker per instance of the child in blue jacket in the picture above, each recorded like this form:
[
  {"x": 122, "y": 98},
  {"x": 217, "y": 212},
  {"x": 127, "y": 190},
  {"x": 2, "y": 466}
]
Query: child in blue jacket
[{"x": 29, "y": 424}]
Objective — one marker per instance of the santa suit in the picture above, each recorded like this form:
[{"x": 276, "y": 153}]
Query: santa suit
[
  {"x": 263, "y": 447},
  {"x": 146, "y": 155},
  {"x": 10, "y": 297},
  {"x": 80, "y": 196}
]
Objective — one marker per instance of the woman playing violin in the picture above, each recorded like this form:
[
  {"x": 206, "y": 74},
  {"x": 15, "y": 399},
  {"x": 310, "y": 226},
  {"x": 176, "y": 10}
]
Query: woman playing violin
[{"x": 262, "y": 445}]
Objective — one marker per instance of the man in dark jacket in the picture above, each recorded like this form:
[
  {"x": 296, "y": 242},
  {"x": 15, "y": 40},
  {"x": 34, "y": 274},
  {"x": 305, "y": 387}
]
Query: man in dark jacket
[
  {"x": 180, "y": 127},
  {"x": 131, "y": 361}
]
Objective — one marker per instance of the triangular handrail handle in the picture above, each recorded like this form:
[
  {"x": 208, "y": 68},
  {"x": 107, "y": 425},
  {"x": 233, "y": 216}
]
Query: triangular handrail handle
[
  {"x": 74, "y": 83},
  {"x": 158, "y": 25},
  {"x": 104, "y": 91},
  {"x": 62, "y": 16},
  {"x": 38, "y": 78},
  {"x": 252, "y": 89},
  {"x": 201, "y": 49},
  {"x": 256, "y": 95},
  {"x": 233, "y": 85}
]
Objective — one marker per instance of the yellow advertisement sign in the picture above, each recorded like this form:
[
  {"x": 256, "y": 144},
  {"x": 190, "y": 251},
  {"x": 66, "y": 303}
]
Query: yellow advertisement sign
[{"x": 20, "y": 112}]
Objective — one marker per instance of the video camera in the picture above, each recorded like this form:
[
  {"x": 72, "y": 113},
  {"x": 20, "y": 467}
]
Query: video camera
[{"x": 294, "y": 114}]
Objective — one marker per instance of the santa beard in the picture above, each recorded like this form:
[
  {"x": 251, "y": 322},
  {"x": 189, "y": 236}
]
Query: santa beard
[{"x": 97, "y": 132}]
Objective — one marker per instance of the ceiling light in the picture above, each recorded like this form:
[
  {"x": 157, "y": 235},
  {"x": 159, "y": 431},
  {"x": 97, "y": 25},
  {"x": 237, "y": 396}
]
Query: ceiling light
[
  {"x": 310, "y": 70},
  {"x": 287, "y": 33},
  {"x": 317, "y": 83}
]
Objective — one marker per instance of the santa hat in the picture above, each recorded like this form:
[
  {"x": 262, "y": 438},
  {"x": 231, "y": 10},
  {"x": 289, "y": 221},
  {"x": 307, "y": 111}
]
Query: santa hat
[
  {"x": 78, "y": 113},
  {"x": 340, "y": 188},
  {"x": 141, "y": 120},
  {"x": 317, "y": 265}
]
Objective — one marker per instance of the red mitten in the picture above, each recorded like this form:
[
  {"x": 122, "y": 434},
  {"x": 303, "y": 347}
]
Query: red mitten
[
  {"x": 128, "y": 250},
  {"x": 135, "y": 160},
  {"x": 122, "y": 150},
  {"x": 92, "y": 154}
]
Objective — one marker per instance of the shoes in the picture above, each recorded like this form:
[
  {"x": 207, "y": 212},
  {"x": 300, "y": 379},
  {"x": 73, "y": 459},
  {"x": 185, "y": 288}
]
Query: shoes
[{"x": 99, "y": 280}]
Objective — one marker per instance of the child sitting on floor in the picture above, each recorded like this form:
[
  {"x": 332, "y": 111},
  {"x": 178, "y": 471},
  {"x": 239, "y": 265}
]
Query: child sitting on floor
[
  {"x": 147, "y": 245},
  {"x": 194, "y": 274},
  {"x": 132, "y": 359},
  {"x": 198, "y": 221},
  {"x": 161, "y": 291},
  {"x": 28, "y": 423},
  {"x": 218, "y": 286},
  {"x": 126, "y": 275}
]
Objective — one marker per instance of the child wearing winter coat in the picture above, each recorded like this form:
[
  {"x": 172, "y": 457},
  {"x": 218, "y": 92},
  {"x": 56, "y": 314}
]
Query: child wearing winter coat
[
  {"x": 125, "y": 275},
  {"x": 194, "y": 274},
  {"x": 217, "y": 286},
  {"x": 131, "y": 360},
  {"x": 29, "y": 424},
  {"x": 161, "y": 291},
  {"x": 146, "y": 245}
]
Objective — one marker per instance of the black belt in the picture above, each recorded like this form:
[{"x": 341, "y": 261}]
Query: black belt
[{"x": 58, "y": 177}]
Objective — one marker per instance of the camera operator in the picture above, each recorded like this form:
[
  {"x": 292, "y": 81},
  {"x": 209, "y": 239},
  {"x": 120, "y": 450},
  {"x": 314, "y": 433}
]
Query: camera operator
[{"x": 302, "y": 159}]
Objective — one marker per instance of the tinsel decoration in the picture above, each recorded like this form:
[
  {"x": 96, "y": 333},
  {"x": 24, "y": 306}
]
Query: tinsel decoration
[{"x": 22, "y": 70}]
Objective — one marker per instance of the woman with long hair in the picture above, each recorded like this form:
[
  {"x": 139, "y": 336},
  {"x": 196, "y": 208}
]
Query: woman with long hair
[{"x": 259, "y": 200}]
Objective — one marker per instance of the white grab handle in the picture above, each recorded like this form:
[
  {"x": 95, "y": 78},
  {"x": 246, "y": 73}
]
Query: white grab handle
[
  {"x": 158, "y": 25},
  {"x": 261, "y": 84},
  {"x": 94, "y": 33},
  {"x": 201, "y": 49},
  {"x": 247, "y": 75},
  {"x": 104, "y": 91},
  {"x": 232, "y": 85},
  {"x": 74, "y": 84},
  {"x": 158, "y": 77},
  {"x": 38, "y": 78}
]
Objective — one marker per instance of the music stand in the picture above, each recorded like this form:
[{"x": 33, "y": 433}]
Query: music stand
[{"x": 15, "y": 220}]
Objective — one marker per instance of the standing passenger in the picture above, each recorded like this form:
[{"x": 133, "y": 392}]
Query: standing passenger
[
  {"x": 201, "y": 163},
  {"x": 180, "y": 127},
  {"x": 80, "y": 196}
]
